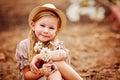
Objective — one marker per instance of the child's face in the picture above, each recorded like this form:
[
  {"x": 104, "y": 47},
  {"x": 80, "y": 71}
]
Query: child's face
[{"x": 46, "y": 28}]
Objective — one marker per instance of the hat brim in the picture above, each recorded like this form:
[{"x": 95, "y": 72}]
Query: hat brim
[{"x": 40, "y": 9}]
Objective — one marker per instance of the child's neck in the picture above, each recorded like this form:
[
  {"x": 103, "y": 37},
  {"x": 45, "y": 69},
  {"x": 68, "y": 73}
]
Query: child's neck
[{"x": 45, "y": 44}]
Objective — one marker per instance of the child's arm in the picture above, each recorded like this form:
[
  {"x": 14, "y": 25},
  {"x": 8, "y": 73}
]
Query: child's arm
[
  {"x": 33, "y": 66},
  {"x": 29, "y": 75},
  {"x": 58, "y": 55},
  {"x": 60, "y": 52}
]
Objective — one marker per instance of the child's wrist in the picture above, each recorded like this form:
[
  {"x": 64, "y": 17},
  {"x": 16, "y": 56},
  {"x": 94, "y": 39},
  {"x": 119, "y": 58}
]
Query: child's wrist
[{"x": 41, "y": 72}]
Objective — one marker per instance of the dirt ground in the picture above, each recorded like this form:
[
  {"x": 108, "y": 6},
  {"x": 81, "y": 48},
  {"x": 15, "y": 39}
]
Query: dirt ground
[
  {"x": 94, "y": 50},
  {"x": 94, "y": 47}
]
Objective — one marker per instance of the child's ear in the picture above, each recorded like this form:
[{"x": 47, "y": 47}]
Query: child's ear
[
  {"x": 33, "y": 25},
  {"x": 58, "y": 30}
]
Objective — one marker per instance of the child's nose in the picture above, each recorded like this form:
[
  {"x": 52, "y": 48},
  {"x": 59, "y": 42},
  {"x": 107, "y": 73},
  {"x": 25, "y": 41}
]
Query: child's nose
[{"x": 46, "y": 30}]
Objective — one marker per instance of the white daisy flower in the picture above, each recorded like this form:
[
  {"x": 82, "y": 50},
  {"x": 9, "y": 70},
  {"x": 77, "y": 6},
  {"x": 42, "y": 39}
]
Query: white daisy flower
[
  {"x": 45, "y": 54},
  {"x": 38, "y": 46}
]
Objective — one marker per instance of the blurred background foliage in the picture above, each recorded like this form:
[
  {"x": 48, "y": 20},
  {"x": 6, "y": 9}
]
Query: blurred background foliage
[
  {"x": 94, "y": 46},
  {"x": 16, "y": 12}
]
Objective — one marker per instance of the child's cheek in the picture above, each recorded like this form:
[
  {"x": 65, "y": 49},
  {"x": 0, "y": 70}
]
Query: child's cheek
[
  {"x": 39, "y": 30},
  {"x": 54, "y": 34}
]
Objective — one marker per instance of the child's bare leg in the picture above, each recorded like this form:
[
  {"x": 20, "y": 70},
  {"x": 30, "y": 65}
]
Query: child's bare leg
[
  {"x": 55, "y": 76},
  {"x": 67, "y": 71}
]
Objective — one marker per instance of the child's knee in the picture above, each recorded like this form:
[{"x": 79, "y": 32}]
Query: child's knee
[{"x": 55, "y": 76}]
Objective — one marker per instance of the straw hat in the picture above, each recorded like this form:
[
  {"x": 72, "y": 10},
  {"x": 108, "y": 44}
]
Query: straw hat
[{"x": 45, "y": 7}]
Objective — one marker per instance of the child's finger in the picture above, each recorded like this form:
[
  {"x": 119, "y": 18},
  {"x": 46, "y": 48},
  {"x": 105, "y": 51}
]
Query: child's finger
[
  {"x": 50, "y": 61},
  {"x": 34, "y": 69},
  {"x": 53, "y": 68}
]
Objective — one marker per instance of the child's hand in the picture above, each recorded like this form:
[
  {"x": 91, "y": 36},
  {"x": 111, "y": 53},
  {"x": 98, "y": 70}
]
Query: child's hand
[
  {"x": 54, "y": 68},
  {"x": 47, "y": 69},
  {"x": 33, "y": 66},
  {"x": 34, "y": 69}
]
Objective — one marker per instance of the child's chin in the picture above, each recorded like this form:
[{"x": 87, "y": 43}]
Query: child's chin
[{"x": 43, "y": 40}]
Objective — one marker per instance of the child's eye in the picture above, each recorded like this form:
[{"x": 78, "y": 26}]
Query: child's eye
[
  {"x": 52, "y": 28},
  {"x": 42, "y": 25}
]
